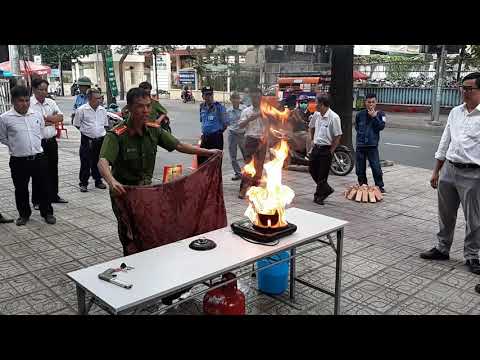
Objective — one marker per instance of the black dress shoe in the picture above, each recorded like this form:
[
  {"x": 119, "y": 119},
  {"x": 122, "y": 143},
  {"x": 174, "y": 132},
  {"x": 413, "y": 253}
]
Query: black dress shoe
[
  {"x": 100, "y": 185},
  {"x": 477, "y": 288},
  {"x": 382, "y": 190},
  {"x": 59, "y": 200},
  {"x": 474, "y": 266},
  {"x": 236, "y": 177},
  {"x": 4, "y": 220},
  {"x": 36, "y": 206},
  {"x": 50, "y": 219},
  {"x": 434, "y": 254},
  {"x": 318, "y": 201},
  {"x": 83, "y": 188},
  {"x": 21, "y": 221}
]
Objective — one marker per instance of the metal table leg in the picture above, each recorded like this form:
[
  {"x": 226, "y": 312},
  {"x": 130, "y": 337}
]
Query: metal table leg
[
  {"x": 338, "y": 272},
  {"x": 292, "y": 274},
  {"x": 82, "y": 306}
]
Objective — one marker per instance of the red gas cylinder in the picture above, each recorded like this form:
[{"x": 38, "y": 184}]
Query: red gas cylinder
[{"x": 225, "y": 300}]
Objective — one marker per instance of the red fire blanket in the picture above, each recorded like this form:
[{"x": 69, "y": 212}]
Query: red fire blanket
[{"x": 161, "y": 214}]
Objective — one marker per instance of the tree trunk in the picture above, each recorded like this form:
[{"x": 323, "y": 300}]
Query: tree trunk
[
  {"x": 121, "y": 76},
  {"x": 61, "y": 74},
  {"x": 110, "y": 98},
  {"x": 341, "y": 88},
  {"x": 460, "y": 63}
]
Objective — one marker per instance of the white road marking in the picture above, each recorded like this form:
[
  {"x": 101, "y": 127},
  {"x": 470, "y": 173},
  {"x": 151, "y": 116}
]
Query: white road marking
[{"x": 410, "y": 146}]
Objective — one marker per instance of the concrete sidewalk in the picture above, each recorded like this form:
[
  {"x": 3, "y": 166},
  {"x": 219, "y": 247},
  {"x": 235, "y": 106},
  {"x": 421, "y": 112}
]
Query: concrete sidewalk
[
  {"x": 413, "y": 121},
  {"x": 382, "y": 272}
]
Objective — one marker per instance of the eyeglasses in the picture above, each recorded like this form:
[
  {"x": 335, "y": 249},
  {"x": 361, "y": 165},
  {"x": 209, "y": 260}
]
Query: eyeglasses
[{"x": 468, "y": 88}]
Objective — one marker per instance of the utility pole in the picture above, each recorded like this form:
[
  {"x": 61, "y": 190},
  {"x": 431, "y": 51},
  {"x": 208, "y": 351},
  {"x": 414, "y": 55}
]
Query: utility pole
[
  {"x": 341, "y": 88},
  {"x": 460, "y": 63},
  {"x": 437, "y": 95},
  {"x": 14, "y": 59},
  {"x": 97, "y": 63}
]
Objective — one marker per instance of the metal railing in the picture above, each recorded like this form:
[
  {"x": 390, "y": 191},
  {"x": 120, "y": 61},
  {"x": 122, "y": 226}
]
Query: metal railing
[
  {"x": 410, "y": 95},
  {"x": 5, "y": 103}
]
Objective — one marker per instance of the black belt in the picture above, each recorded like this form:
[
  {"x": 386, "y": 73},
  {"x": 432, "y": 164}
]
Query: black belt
[
  {"x": 94, "y": 139},
  {"x": 464, "y": 166},
  {"x": 53, "y": 138},
  {"x": 31, "y": 157},
  {"x": 322, "y": 146}
]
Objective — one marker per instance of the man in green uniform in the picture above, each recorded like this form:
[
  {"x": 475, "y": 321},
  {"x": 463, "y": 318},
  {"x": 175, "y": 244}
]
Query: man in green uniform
[
  {"x": 130, "y": 149},
  {"x": 158, "y": 113}
]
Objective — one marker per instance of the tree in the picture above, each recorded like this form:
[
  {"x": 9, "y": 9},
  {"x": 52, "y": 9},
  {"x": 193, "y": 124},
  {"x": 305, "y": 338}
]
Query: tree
[
  {"x": 61, "y": 55},
  {"x": 341, "y": 88},
  {"x": 126, "y": 50}
]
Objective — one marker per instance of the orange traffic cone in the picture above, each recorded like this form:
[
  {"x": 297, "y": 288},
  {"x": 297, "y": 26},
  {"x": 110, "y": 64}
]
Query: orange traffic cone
[{"x": 195, "y": 158}]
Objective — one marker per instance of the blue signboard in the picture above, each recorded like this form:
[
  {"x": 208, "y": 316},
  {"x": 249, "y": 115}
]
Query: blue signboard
[{"x": 187, "y": 77}]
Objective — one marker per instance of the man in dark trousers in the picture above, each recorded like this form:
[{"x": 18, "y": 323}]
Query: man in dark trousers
[
  {"x": 325, "y": 131},
  {"x": 21, "y": 130},
  {"x": 456, "y": 176},
  {"x": 214, "y": 122},
  {"x": 52, "y": 115},
  {"x": 256, "y": 132},
  {"x": 368, "y": 124},
  {"x": 91, "y": 119}
]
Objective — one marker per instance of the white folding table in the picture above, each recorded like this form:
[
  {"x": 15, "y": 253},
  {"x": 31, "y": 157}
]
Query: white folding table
[{"x": 167, "y": 269}]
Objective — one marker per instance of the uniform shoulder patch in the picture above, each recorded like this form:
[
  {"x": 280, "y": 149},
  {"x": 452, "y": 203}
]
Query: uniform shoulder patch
[
  {"x": 119, "y": 130},
  {"x": 152, "y": 124}
]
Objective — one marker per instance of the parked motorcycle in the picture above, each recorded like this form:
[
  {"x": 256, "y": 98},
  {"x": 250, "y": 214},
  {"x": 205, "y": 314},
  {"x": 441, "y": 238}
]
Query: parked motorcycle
[
  {"x": 342, "y": 162},
  {"x": 114, "y": 115},
  {"x": 187, "y": 96}
]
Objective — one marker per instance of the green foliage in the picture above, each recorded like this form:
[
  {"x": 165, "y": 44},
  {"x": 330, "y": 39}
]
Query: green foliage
[
  {"x": 52, "y": 54},
  {"x": 397, "y": 66}
]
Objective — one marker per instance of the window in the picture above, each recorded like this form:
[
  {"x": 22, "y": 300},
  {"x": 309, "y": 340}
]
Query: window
[
  {"x": 299, "y": 48},
  {"x": 309, "y": 48}
]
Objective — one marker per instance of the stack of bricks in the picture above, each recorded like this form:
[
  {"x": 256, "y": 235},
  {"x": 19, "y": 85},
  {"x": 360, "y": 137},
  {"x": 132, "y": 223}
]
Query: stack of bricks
[{"x": 363, "y": 193}]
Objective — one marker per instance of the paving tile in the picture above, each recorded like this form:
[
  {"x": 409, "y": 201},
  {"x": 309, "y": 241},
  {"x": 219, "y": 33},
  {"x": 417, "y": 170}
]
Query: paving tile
[
  {"x": 14, "y": 306},
  {"x": 25, "y": 284},
  {"x": 56, "y": 257},
  {"x": 50, "y": 306},
  {"x": 19, "y": 250},
  {"x": 39, "y": 246},
  {"x": 11, "y": 268},
  {"x": 461, "y": 303},
  {"x": 7, "y": 292},
  {"x": 436, "y": 293}
]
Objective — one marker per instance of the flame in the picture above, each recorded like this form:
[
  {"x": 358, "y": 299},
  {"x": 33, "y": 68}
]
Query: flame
[
  {"x": 249, "y": 169},
  {"x": 270, "y": 201},
  {"x": 266, "y": 109}
]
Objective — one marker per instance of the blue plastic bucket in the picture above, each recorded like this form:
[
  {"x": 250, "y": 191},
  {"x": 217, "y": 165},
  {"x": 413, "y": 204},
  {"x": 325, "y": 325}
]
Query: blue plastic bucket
[{"x": 273, "y": 280}]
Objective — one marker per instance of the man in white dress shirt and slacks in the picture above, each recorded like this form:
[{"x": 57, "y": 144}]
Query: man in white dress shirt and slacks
[{"x": 457, "y": 176}]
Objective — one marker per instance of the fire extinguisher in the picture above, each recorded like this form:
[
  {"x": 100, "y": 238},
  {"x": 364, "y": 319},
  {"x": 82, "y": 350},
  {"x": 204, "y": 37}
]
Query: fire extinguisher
[{"x": 224, "y": 300}]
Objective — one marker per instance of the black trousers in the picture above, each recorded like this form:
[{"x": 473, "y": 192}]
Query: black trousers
[
  {"x": 22, "y": 170},
  {"x": 50, "y": 150},
  {"x": 257, "y": 150},
  {"x": 320, "y": 161},
  {"x": 210, "y": 141},
  {"x": 89, "y": 156},
  {"x": 370, "y": 153}
]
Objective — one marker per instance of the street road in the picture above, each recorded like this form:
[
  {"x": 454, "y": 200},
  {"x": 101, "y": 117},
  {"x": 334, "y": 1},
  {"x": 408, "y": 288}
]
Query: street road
[{"x": 407, "y": 147}]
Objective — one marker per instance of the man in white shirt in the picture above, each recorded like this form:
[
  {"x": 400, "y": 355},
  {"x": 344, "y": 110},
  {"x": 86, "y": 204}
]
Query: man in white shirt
[
  {"x": 52, "y": 115},
  {"x": 325, "y": 132},
  {"x": 91, "y": 119},
  {"x": 21, "y": 130},
  {"x": 458, "y": 182},
  {"x": 255, "y": 139}
]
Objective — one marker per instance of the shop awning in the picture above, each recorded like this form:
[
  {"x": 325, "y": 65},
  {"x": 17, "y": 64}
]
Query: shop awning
[{"x": 27, "y": 68}]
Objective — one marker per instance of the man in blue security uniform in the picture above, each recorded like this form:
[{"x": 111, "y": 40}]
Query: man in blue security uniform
[{"x": 214, "y": 122}]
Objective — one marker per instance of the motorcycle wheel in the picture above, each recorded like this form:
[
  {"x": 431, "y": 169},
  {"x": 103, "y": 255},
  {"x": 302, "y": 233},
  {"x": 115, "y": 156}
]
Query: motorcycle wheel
[{"x": 344, "y": 165}]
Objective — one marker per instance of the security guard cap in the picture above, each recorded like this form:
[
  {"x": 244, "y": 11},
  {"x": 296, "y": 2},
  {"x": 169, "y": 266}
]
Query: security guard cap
[
  {"x": 84, "y": 81},
  {"x": 207, "y": 90}
]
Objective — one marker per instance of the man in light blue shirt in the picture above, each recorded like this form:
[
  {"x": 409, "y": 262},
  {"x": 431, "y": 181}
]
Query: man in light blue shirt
[
  {"x": 84, "y": 84},
  {"x": 236, "y": 136}
]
